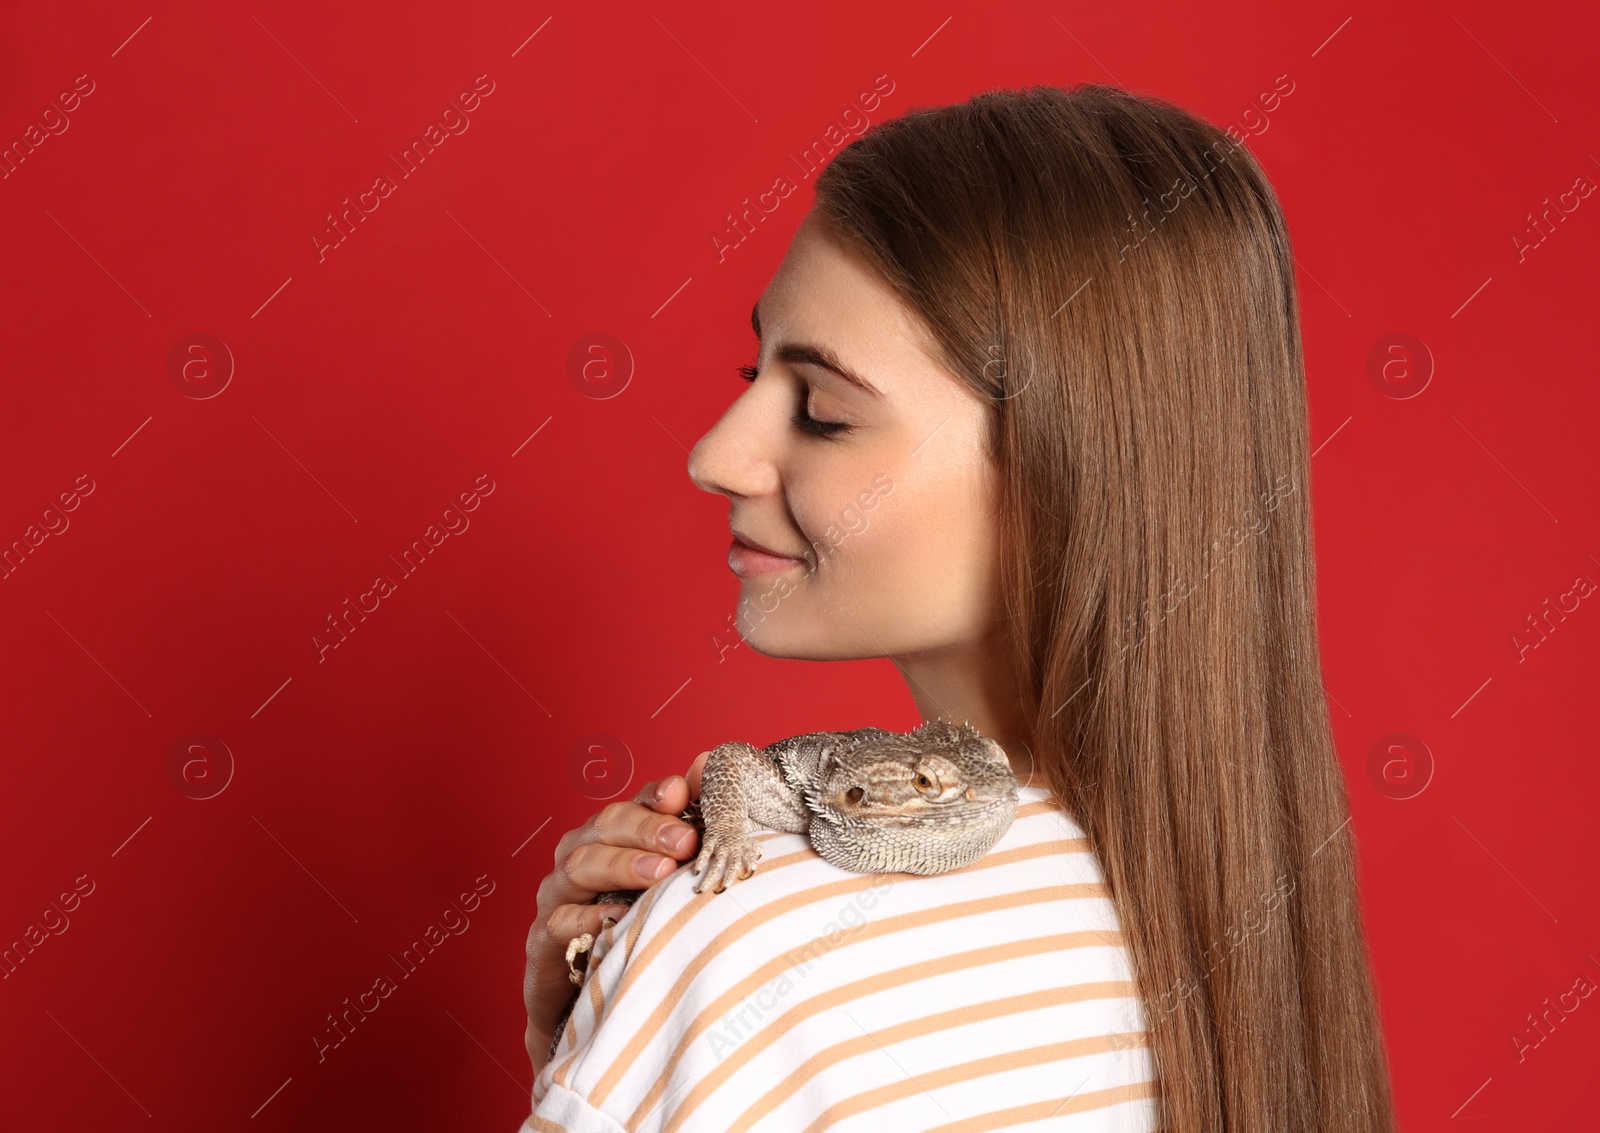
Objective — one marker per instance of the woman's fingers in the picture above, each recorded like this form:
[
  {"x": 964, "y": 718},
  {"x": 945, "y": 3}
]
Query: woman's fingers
[
  {"x": 695, "y": 770},
  {"x": 548, "y": 940},
  {"x": 669, "y": 795},
  {"x": 594, "y": 867},
  {"x": 547, "y": 986},
  {"x": 628, "y": 844}
]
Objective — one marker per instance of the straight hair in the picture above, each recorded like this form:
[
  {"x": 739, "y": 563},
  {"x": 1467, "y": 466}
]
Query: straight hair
[{"x": 1114, "y": 275}]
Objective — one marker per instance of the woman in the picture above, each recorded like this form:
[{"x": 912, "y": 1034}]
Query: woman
[{"x": 1061, "y": 328}]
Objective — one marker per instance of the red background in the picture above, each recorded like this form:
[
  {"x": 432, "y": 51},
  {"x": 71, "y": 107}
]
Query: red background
[{"x": 433, "y": 748}]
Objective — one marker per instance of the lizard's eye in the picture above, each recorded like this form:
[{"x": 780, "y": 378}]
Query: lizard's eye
[
  {"x": 855, "y": 794},
  {"x": 923, "y": 782}
]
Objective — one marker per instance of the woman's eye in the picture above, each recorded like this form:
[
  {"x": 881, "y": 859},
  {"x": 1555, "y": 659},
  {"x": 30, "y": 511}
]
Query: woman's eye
[
  {"x": 816, "y": 428},
  {"x": 802, "y": 419}
]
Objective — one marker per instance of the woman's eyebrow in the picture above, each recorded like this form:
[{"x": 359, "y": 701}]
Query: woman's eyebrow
[{"x": 814, "y": 355}]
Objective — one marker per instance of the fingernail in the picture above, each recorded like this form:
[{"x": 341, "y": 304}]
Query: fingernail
[
  {"x": 673, "y": 836},
  {"x": 661, "y": 790},
  {"x": 653, "y": 867}
]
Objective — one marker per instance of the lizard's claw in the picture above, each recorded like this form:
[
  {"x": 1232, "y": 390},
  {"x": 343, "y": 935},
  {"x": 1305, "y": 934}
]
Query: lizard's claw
[
  {"x": 577, "y": 945},
  {"x": 724, "y": 859}
]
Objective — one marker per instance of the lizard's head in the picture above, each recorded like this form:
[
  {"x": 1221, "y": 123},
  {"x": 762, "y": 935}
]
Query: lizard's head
[
  {"x": 939, "y": 773},
  {"x": 926, "y": 801}
]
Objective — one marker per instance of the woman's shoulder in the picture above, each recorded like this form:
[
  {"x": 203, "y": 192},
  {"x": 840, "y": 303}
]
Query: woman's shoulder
[
  {"x": 1045, "y": 858},
  {"x": 689, "y": 988}
]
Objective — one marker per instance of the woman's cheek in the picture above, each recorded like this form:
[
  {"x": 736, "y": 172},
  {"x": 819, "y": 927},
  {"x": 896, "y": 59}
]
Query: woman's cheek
[{"x": 849, "y": 522}]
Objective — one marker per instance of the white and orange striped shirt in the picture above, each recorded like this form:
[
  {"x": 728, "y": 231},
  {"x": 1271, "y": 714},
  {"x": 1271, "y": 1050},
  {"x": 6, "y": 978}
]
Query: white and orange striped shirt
[{"x": 806, "y": 997}]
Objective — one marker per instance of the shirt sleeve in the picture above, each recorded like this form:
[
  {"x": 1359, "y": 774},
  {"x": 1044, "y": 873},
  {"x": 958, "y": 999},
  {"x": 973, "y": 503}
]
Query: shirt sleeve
[
  {"x": 560, "y": 1102},
  {"x": 563, "y": 1111},
  {"x": 621, "y": 1057}
]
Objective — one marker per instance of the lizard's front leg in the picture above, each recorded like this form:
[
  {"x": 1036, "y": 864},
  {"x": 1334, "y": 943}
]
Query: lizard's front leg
[{"x": 740, "y": 789}]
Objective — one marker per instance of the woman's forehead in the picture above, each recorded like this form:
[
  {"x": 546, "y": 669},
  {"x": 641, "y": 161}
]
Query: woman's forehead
[{"x": 824, "y": 294}]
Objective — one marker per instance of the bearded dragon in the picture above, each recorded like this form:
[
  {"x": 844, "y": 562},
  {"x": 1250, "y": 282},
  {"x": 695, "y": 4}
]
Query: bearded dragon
[{"x": 930, "y": 800}]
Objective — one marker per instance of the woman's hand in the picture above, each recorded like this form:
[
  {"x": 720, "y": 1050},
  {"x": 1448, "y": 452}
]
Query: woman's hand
[{"x": 626, "y": 845}]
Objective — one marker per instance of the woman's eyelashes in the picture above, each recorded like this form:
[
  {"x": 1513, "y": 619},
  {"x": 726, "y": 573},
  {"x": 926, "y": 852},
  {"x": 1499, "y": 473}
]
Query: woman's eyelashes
[{"x": 802, "y": 419}]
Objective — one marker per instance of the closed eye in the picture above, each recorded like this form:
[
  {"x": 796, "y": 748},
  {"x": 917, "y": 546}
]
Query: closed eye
[{"x": 802, "y": 420}]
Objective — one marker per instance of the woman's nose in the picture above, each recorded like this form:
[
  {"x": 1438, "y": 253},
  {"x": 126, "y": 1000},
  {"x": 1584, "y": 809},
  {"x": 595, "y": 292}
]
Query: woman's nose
[{"x": 735, "y": 458}]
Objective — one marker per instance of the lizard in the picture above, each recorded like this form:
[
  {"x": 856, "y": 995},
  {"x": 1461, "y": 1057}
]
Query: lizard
[{"x": 927, "y": 801}]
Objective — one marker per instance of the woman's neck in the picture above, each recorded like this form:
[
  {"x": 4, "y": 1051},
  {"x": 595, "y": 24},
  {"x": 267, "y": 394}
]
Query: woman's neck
[{"x": 973, "y": 683}]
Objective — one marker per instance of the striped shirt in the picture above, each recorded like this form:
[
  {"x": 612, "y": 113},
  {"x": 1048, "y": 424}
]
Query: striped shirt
[{"x": 807, "y": 997}]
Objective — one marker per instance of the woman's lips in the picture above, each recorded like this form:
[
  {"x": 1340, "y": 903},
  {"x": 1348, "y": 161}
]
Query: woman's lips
[{"x": 747, "y": 562}]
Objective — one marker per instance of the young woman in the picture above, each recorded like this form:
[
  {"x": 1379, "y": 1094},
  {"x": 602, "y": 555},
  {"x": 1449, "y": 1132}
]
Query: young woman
[{"x": 1028, "y": 418}]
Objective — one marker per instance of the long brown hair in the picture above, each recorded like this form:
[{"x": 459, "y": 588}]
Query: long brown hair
[{"x": 1114, "y": 274}]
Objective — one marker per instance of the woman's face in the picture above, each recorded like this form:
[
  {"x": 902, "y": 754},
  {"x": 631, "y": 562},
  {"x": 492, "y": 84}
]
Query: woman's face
[{"x": 889, "y": 523}]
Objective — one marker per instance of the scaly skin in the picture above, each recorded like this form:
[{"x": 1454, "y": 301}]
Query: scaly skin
[{"x": 870, "y": 801}]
